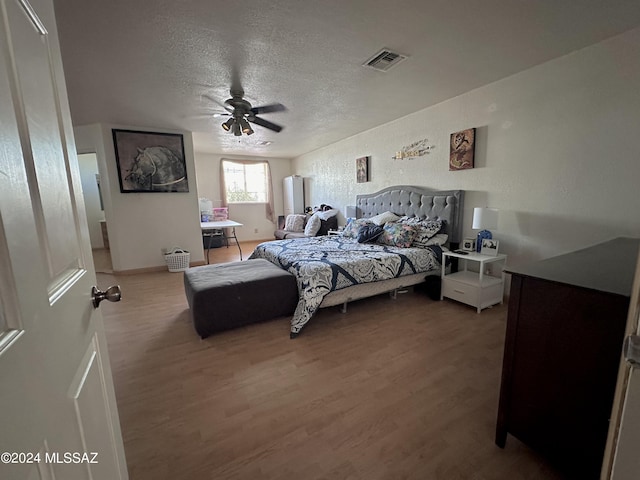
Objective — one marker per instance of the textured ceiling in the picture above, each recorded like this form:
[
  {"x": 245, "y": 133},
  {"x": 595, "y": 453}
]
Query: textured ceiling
[{"x": 153, "y": 63}]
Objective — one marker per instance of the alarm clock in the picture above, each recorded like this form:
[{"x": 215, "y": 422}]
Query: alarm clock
[{"x": 469, "y": 244}]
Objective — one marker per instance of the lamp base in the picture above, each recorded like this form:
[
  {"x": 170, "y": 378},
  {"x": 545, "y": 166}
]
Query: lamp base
[{"x": 481, "y": 235}]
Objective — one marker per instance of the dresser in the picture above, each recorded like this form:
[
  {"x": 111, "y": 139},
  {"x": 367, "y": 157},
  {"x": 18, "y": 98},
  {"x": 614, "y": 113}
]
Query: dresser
[{"x": 565, "y": 330}]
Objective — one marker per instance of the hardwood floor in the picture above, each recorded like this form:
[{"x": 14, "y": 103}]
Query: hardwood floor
[{"x": 393, "y": 389}]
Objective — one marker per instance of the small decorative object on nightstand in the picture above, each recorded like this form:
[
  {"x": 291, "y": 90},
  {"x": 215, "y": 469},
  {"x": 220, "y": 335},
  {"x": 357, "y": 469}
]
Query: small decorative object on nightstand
[
  {"x": 484, "y": 219},
  {"x": 469, "y": 244},
  {"x": 480, "y": 289},
  {"x": 489, "y": 247}
]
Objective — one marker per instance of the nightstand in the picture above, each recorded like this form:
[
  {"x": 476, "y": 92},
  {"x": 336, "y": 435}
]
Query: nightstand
[{"x": 478, "y": 289}]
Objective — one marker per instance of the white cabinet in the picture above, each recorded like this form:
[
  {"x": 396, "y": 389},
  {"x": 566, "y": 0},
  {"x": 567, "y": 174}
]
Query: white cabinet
[
  {"x": 293, "y": 194},
  {"x": 479, "y": 289}
]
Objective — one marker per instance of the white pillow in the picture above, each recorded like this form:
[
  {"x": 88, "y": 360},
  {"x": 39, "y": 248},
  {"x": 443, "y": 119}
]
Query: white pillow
[
  {"x": 383, "y": 218},
  {"x": 295, "y": 223},
  {"x": 313, "y": 225}
]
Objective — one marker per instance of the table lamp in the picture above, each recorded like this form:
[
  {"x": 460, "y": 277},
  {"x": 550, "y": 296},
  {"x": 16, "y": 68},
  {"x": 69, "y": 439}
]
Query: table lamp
[
  {"x": 484, "y": 219},
  {"x": 350, "y": 212}
]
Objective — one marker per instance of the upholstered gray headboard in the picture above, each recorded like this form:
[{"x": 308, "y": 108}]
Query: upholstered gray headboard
[{"x": 419, "y": 201}]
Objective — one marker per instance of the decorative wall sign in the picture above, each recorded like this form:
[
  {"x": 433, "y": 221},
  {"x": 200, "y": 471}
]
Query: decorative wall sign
[
  {"x": 416, "y": 149},
  {"x": 362, "y": 169},
  {"x": 150, "y": 162},
  {"x": 462, "y": 149}
]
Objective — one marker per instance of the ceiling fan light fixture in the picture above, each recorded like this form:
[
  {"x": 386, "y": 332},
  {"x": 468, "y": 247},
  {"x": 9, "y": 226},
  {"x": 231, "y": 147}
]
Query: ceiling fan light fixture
[
  {"x": 246, "y": 128},
  {"x": 227, "y": 125},
  {"x": 243, "y": 115}
]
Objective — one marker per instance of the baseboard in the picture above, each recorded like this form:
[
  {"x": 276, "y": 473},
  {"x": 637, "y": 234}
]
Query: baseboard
[{"x": 135, "y": 271}]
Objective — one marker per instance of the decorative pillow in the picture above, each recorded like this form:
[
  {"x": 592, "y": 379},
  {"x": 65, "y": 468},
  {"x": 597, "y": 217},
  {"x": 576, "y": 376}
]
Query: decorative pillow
[
  {"x": 397, "y": 235},
  {"x": 383, "y": 218},
  {"x": 312, "y": 226},
  {"x": 425, "y": 229},
  {"x": 437, "y": 239},
  {"x": 325, "y": 225},
  {"x": 352, "y": 228},
  {"x": 368, "y": 233},
  {"x": 327, "y": 214},
  {"x": 295, "y": 223},
  {"x": 410, "y": 220}
]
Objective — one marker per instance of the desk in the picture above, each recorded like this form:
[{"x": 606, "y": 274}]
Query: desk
[{"x": 221, "y": 225}]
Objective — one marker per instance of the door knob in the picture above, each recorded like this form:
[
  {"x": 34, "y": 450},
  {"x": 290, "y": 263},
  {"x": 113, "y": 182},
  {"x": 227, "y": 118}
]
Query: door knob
[{"x": 113, "y": 294}]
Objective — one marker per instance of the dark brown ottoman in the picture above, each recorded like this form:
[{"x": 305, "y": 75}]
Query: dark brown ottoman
[{"x": 229, "y": 295}]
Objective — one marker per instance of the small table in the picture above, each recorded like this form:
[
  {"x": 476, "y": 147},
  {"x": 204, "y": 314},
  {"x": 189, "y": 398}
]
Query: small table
[
  {"x": 221, "y": 225},
  {"x": 474, "y": 288}
]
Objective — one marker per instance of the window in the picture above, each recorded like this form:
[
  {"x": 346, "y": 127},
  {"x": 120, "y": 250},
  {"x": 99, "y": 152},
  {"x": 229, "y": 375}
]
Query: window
[{"x": 246, "y": 182}]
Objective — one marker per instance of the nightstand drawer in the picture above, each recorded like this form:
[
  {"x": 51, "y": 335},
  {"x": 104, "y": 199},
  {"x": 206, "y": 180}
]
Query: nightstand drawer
[{"x": 460, "y": 291}]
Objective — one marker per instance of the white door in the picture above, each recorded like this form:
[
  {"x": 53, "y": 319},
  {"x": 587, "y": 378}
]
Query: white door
[
  {"x": 622, "y": 456},
  {"x": 57, "y": 403}
]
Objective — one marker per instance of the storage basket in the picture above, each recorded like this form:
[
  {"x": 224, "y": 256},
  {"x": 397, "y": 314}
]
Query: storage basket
[
  {"x": 220, "y": 213},
  {"x": 177, "y": 259}
]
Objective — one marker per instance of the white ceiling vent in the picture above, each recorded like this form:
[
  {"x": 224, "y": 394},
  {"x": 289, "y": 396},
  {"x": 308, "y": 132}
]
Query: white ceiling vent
[{"x": 384, "y": 60}]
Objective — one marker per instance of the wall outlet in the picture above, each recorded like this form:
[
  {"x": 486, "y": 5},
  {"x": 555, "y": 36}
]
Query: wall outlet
[{"x": 255, "y": 230}]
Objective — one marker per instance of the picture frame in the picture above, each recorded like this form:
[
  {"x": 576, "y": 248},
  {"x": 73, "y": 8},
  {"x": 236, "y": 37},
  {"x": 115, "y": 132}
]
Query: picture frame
[
  {"x": 469, "y": 244},
  {"x": 362, "y": 169},
  {"x": 461, "y": 149},
  {"x": 489, "y": 247},
  {"x": 150, "y": 161}
]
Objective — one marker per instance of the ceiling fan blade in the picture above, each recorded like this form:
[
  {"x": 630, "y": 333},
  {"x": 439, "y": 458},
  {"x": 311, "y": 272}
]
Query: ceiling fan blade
[
  {"x": 265, "y": 123},
  {"x": 227, "y": 107},
  {"x": 274, "y": 107}
]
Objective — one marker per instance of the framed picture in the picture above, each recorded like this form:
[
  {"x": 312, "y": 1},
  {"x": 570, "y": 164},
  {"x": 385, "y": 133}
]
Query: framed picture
[
  {"x": 150, "y": 162},
  {"x": 489, "y": 247},
  {"x": 461, "y": 150},
  {"x": 469, "y": 245},
  {"x": 362, "y": 169}
]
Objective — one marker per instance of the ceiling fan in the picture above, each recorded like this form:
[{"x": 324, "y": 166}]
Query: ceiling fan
[{"x": 241, "y": 113}]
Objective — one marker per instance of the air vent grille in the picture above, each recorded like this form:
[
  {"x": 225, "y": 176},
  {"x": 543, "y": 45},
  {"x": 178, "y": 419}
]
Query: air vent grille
[{"x": 384, "y": 60}]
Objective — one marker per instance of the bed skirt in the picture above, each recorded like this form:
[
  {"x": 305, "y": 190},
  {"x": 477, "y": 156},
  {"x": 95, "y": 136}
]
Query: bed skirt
[{"x": 364, "y": 290}]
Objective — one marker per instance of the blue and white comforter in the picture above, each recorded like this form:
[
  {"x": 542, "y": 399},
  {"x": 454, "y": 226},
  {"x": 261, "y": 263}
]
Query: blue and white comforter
[{"x": 327, "y": 263}]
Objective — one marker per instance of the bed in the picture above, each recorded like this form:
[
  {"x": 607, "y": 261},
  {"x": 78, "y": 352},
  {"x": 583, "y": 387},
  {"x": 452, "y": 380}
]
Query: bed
[{"x": 333, "y": 270}]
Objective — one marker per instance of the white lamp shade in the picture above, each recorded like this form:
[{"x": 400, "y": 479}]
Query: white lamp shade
[
  {"x": 350, "y": 211},
  {"x": 485, "y": 218}
]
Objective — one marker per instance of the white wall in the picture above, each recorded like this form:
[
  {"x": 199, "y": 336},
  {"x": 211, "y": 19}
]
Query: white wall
[
  {"x": 251, "y": 216},
  {"x": 88, "y": 168},
  {"x": 140, "y": 225},
  {"x": 556, "y": 152}
]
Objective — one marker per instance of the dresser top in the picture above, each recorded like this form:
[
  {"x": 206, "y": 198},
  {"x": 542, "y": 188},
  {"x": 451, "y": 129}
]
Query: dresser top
[{"x": 607, "y": 267}]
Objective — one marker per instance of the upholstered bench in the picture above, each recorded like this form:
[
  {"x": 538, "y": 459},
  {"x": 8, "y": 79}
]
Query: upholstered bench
[{"x": 229, "y": 295}]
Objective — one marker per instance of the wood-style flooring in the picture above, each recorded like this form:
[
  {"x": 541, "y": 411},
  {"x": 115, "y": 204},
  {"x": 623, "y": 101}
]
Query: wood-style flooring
[{"x": 393, "y": 389}]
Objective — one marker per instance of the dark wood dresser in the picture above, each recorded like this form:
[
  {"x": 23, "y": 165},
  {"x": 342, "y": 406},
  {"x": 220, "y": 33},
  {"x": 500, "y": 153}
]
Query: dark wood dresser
[{"x": 563, "y": 344}]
